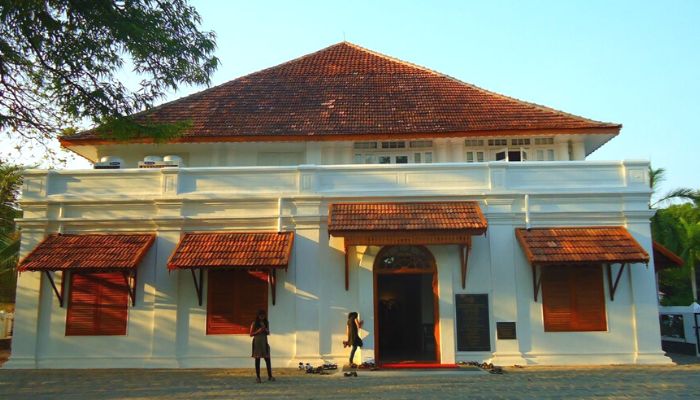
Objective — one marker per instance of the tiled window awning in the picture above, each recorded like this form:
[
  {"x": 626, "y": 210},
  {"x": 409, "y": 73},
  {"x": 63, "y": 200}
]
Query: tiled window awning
[
  {"x": 89, "y": 253},
  {"x": 232, "y": 250},
  {"x": 92, "y": 252},
  {"x": 406, "y": 223},
  {"x": 590, "y": 245},
  {"x": 580, "y": 245}
]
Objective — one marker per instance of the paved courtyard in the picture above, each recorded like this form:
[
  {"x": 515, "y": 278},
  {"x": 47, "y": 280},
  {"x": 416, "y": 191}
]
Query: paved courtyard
[{"x": 612, "y": 382}]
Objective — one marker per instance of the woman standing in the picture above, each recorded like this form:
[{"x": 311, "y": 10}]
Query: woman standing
[
  {"x": 259, "y": 330},
  {"x": 353, "y": 334}
]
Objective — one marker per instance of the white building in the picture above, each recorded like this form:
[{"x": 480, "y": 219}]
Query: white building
[{"x": 398, "y": 192}]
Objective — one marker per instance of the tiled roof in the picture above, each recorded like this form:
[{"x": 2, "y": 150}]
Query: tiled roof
[
  {"x": 665, "y": 258},
  {"x": 346, "y": 91},
  {"x": 422, "y": 216},
  {"x": 233, "y": 249},
  {"x": 60, "y": 252},
  {"x": 580, "y": 245}
]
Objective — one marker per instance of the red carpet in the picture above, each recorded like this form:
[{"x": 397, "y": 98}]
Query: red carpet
[{"x": 417, "y": 366}]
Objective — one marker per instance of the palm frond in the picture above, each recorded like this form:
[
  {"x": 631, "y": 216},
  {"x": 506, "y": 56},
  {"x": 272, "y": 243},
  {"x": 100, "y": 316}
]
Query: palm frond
[{"x": 685, "y": 194}]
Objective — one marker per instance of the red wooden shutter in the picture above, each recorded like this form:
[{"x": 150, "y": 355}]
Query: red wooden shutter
[
  {"x": 589, "y": 299},
  {"x": 233, "y": 299},
  {"x": 573, "y": 299},
  {"x": 98, "y": 305},
  {"x": 556, "y": 299}
]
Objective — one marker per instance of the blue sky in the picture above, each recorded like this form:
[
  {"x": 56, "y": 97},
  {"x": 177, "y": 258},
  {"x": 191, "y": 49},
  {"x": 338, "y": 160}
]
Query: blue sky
[{"x": 630, "y": 62}]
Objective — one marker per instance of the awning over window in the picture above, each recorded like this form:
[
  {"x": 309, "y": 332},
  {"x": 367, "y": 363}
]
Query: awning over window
[
  {"x": 233, "y": 250},
  {"x": 89, "y": 253},
  {"x": 93, "y": 252},
  {"x": 580, "y": 245},
  {"x": 406, "y": 223},
  {"x": 602, "y": 245},
  {"x": 665, "y": 258}
]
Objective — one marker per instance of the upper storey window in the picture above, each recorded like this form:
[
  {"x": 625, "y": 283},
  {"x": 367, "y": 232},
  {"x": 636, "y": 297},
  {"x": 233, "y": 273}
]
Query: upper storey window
[
  {"x": 394, "y": 152},
  {"x": 510, "y": 149}
]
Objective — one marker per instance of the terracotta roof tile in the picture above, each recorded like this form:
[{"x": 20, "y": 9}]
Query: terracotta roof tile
[
  {"x": 233, "y": 249},
  {"x": 348, "y": 90},
  {"x": 580, "y": 245},
  {"x": 60, "y": 252},
  {"x": 421, "y": 216},
  {"x": 665, "y": 258}
]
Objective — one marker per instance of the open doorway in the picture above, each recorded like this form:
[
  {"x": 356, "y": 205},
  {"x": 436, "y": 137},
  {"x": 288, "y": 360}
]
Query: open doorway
[{"x": 406, "y": 305}]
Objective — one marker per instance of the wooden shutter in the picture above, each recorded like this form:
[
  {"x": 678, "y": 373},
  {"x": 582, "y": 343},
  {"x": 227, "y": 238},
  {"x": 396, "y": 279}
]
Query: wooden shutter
[
  {"x": 233, "y": 300},
  {"x": 98, "y": 304},
  {"x": 556, "y": 299},
  {"x": 573, "y": 299},
  {"x": 589, "y": 299}
]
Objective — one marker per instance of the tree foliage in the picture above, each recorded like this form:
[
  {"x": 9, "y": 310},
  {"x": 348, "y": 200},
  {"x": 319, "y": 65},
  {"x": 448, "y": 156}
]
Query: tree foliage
[
  {"x": 657, "y": 176},
  {"x": 678, "y": 228},
  {"x": 60, "y": 61},
  {"x": 10, "y": 183}
]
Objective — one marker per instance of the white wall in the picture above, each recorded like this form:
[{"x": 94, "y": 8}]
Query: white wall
[
  {"x": 445, "y": 150},
  {"x": 167, "y": 326}
]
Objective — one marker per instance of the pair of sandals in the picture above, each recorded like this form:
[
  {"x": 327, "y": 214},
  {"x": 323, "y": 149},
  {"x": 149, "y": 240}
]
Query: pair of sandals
[
  {"x": 349, "y": 374},
  {"x": 271, "y": 379}
]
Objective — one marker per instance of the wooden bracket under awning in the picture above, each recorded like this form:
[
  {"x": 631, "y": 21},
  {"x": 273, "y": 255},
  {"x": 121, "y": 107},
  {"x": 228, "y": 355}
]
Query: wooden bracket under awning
[
  {"x": 536, "y": 281},
  {"x": 464, "y": 250},
  {"x": 613, "y": 286},
  {"x": 272, "y": 281},
  {"x": 57, "y": 292}
]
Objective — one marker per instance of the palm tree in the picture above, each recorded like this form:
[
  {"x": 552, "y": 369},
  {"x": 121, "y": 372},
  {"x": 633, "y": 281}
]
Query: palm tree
[
  {"x": 10, "y": 183},
  {"x": 658, "y": 175},
  {"x": 678, "y": 227}
]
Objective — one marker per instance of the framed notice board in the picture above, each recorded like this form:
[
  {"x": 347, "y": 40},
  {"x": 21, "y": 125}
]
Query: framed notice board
[{"x": 473, "y": 333}]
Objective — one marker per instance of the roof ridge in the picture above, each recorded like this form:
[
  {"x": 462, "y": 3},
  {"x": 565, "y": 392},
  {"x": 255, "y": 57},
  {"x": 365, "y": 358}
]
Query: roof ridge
[
  {"x": 441, "y": 74},
  {"x": 230, "y": 81}
]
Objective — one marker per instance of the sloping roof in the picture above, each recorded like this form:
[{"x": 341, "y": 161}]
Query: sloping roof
[
  {"x": 665, "y": 258},
  {"x": 347, "y": 92},
  {"x": 580, "y": 245},
  {"x": 61, "y": 252},
  {"x": 402, "y": 217},
  {"x": 233, "y": 249}
]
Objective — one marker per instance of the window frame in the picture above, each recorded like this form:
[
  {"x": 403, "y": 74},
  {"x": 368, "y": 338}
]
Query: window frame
[
  {"x": 572, "y": 280},
  {"x": 238, "y": 299},
  {"x": 96, "y": 304}
]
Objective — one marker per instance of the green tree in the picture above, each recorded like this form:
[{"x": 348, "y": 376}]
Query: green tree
[
  {"x": 678, "y": 228},
  {"x": 60, "y": 61},
  {"x": 657, "y": 176},
  {"x": 10, "y": 183}
]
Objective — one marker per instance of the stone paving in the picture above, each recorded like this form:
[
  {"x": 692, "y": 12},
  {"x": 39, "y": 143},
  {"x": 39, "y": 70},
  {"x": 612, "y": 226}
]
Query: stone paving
[{"x": 611, "y": 382}]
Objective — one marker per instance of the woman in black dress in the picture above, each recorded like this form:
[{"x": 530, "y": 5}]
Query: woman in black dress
[
  {"x": 353, "y": 334},
  {"x": 259, "y": 330}
]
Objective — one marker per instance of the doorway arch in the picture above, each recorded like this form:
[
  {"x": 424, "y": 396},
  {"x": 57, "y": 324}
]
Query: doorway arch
[{"x": 406, "y": 305}]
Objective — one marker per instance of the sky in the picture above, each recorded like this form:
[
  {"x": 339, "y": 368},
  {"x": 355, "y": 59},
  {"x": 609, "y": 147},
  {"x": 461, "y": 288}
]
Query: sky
[{"x": 631, "y": 62}]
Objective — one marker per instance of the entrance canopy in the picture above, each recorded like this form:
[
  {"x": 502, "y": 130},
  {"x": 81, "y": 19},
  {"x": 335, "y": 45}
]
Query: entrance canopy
[
  {"x": 89, "y": 253},
  {"x": 571, "y": 246},
  {"x": 266, "y": 251},
  {"x": 406, "y": 223},
  {"x": 415, "y": 223}
]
